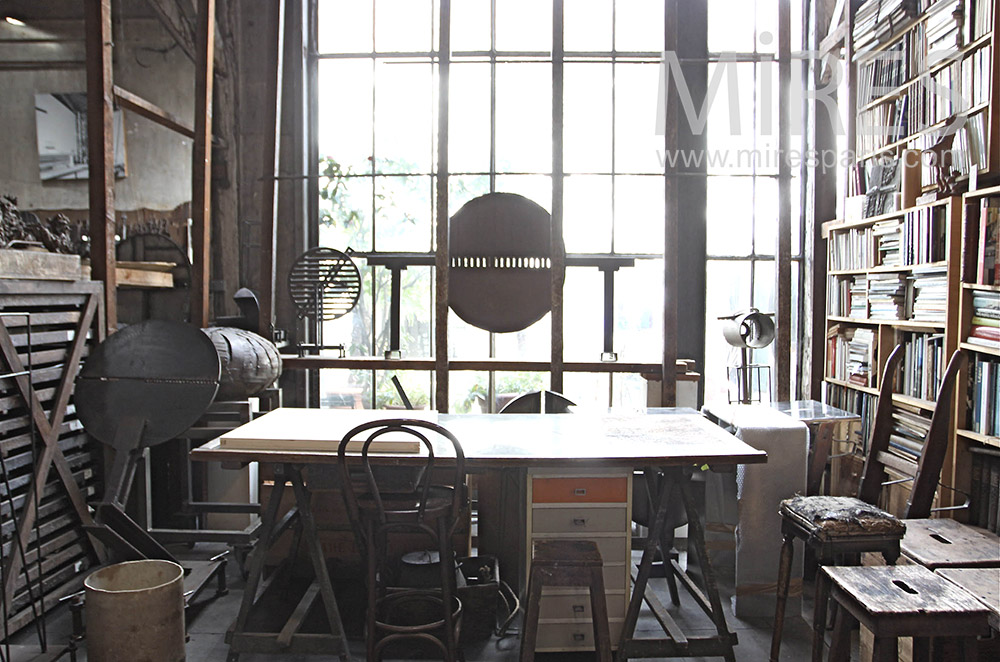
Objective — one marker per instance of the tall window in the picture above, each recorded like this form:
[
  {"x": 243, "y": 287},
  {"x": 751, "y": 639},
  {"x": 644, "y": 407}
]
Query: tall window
[
  {"x": 742, "y": 163},
  {"x": 378, "y": 100}
]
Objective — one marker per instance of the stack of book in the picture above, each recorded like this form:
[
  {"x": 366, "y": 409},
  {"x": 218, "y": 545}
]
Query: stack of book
[
  {"x": 944, "y": 30},
  {"x": 861, "y": 403},
  {"x": 888, "y": 234},
  {"x": 909, "y": 430},
  {"x": 930, "y": 294},
  {"x": 923, "y": 238},
  {"x": 923, "y": 366},
  {"x": 838, "y": 297},
  {"x": 979, "y": 18},
  {"x": 887, "y": 296},
  {"x": 858, "y": 298},
  {"x": 853, "y": 249},
  {"x": 985, "y": 329},
  {"x": 886, "y": 71},
  {"x": 988, "y": 272},
  {"x": 984, "y": 391},
  {"x": 877, "y": 21},
  {"x": 849, "y": 355}
]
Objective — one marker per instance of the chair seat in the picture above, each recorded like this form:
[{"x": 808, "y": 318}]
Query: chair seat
[
  {"x": 828, "y": 517},
  {"x": 405, "y": 506}
]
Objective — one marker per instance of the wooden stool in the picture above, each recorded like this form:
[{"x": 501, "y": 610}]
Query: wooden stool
[
  {"x": 946, "y": 543},
  {"x": 901, "y": 601},
  {"x": 565, "y": 563}
]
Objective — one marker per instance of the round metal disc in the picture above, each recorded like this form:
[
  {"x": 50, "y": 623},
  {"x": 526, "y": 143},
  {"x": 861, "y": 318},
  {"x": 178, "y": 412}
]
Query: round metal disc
[
  {"x": 324, "y": 283},
  {"x": 500, "y": 276},
  {"x": 158, "y": 373}
]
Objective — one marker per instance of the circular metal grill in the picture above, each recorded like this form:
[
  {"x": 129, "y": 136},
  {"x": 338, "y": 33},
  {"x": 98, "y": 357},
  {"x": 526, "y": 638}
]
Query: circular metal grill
[{"x": 324, "y": 284}]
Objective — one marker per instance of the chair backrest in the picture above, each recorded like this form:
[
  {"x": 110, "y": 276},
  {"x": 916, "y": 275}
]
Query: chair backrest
[
  {"x": 432, "y": 438},
  {"x": 926, "y": 470},
  {"x": 539, "y": 402}
]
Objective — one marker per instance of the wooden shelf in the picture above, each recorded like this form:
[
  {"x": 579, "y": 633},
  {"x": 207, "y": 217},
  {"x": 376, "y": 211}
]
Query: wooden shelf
[
  {"x": 927, "y": 129},
  {"x": 982, "y": 349},
  {"x": 857, "y": 387},
  {"x": 984, "y": 192},
  {"x": 979, "y": 438},
  {"x": 889, "y": 269},
  {"x": 903, "y": 324},
  {"x": 838, "y": 224},
  {"x": 980, "y": 287},
  {"x": 926, "y": 405}
]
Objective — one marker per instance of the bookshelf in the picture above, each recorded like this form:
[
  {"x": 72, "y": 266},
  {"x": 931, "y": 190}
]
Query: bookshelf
[
  {"x": 977, "y": 434},
  {"x": 923, "y": 79},
  {"x": 893, "y": 278}
]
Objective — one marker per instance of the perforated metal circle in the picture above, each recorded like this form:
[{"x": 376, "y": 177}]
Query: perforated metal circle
[{"x": 324, "y": 283}]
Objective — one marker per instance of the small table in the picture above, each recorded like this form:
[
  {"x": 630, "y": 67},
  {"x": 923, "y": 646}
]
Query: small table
[{"x": 821, "y": 419}]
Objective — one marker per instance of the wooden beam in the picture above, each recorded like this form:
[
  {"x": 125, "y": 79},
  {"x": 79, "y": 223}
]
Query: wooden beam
[
  {"x": 150, "y": 111},
  {"x": 272, "y": 134},
  {"x": 441, "y": 227},
  {"x": 101, "y": 153},
  {"x": 556, "y": 237},
  {"x": 177, "y": 24},
  {"x": 783, "y": 291},
  {"x": 668, "y": 371},
  {"x": 201, "y": 171}
]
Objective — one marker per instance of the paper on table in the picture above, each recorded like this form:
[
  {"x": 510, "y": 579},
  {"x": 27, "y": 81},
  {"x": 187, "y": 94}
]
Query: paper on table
[{"x": 289, "y": 429}]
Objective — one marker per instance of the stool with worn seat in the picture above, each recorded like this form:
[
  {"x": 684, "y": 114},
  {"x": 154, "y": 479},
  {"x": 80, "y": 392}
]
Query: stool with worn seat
[
  {"x": 903, "y": 601},
  {"x": 429, "y": 500},
  {"x": 566, "y": 563},
  {"x": 839, "y": 529}
]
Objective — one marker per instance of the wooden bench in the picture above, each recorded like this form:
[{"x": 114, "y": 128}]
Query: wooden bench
[{"x": 946, "y": 543}]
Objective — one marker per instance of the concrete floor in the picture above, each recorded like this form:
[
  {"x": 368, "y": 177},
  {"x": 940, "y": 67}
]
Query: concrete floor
[{"x": 208, "y": 621}]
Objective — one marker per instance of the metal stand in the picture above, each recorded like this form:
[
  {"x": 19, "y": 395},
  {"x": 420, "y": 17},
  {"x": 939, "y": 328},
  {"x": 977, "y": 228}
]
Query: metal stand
[{"x": 676, "y": 643}]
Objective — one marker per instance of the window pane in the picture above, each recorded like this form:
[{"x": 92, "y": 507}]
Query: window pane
[
  {"x": 587, "y": 117},
  {"x": 587, "y": 25},
  {"x": 524, "y": 118},
  {"x": 524, "y": 25},
  {"x": 470, "y": 25},
  {"x": 531, "y": 344},
  {"x": 730, "y": 133},
  {"x": 469, "y": 118},
  {"x": 403, "y": 213},
  {"x": 587, "y": 213},
  {"x": 583, "y": 306},
  {"x": 418, "y": 387},
  {"x": 462, "y": 188},
  {"x": 763, "y": 299},
  {"x": 639, "y": 25},
  {"x": 345, "y": 26},
  {"x": 638, "y": 311},
  {"x": 403, "y": 25},
  {"x": 729, "y": 215},
  {"x": 344, "y": 389},
  {"x": 465, "y": 340},
  {"x": 630, "y": 392},
  {"x": 587, "y": 390},
  {"x": 403, "y": 117},
  {"x": 730, "y": 26},
  {"x": 766, "y": 216},
  {"x": 639, "y": 210},
  {"x": 767, "y": 25},
  {"x": 345, "y": 129},
  {"x": 728, "y": 291},
  {"x": 537, "y": 188},
  {"x": 467, "y": 392},
  {"x": 346, "y": 220},
  {"x": 509, "y": 385},
  {"x": 767, "y": 118},
  {"x": 636, "y": 141}
]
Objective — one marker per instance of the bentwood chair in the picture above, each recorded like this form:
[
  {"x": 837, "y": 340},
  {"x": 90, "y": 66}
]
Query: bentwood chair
[
  {"x": 839, "y": 529},
  {"x": 432, "y": 506}
]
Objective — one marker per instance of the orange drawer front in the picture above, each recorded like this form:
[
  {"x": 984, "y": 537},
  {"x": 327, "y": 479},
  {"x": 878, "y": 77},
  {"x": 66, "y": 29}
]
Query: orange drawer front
[{"x": 582, "y": 489}]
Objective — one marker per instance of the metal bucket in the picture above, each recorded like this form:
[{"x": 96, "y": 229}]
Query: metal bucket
[{"x": 135, "y": 612}]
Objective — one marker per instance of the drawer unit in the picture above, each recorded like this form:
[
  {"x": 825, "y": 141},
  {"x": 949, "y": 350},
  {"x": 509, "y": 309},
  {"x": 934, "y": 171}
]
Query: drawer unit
[{"x": 590, "y": 505}]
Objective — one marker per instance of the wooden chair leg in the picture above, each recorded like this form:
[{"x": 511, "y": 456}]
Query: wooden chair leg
[
  {"x": 921, "y": 649},
  {"x": 885, "y": 649},
  {"x": 840, "y": 648},
  {"x": 599, "y": 616},
  {"x": 781, "y": 594},
  {"x": 821, "y": 602}
]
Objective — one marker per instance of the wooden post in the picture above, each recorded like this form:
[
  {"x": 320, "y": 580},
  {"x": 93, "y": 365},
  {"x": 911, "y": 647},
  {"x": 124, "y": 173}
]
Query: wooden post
[
  {"x": 556, "y": 242},
  {"x": 441, "y": 227},
  {"x": 101, "y": 154},
  {"x": 668, "y": 381},
  {"x": 201, "y": 171},
  {"x": 272, "y": 130},
  {"x": 783, "y": 254}
]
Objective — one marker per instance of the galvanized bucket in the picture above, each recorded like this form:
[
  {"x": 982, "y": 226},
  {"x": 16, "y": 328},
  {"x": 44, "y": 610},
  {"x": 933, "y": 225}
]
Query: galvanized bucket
[{"x": 135, "y": 612}]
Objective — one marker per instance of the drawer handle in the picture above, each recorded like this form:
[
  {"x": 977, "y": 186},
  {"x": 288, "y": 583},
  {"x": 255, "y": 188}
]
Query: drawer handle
[
  {"x": 579, "y": 521},
  {"x": 579, "y": 636},
  {"x": 577, "y": 609},
  {"x": 580, "y": 491}
]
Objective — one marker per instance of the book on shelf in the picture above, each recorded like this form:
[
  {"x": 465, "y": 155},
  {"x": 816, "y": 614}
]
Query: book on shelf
[
  {"x": 861, "y": 403},
  {"x": 888, "y": 236},
  {"x": 988, "y": 272},
  {"x": 878, "y": 21},
  {"x": 923, "y": 365},
  {"x": 984, "y": 384},
  {"x": 849, "y": 355},
  {"x": 887, "y": 296},
  {"x": 984, "y": 492},
  {"x": 979, "y": 18},
  {"x": 929, "y": 286},
  {"x": 923, "y": 236},
  {"x": 908, "y": 432}
]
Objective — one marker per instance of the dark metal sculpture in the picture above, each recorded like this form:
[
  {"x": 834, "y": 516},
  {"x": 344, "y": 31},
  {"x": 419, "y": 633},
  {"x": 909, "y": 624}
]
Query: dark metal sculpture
[
  {"x": 249, "y": 362},
  {"x": 500, "y": 260},
  {"x": 324, "y": 284}
]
